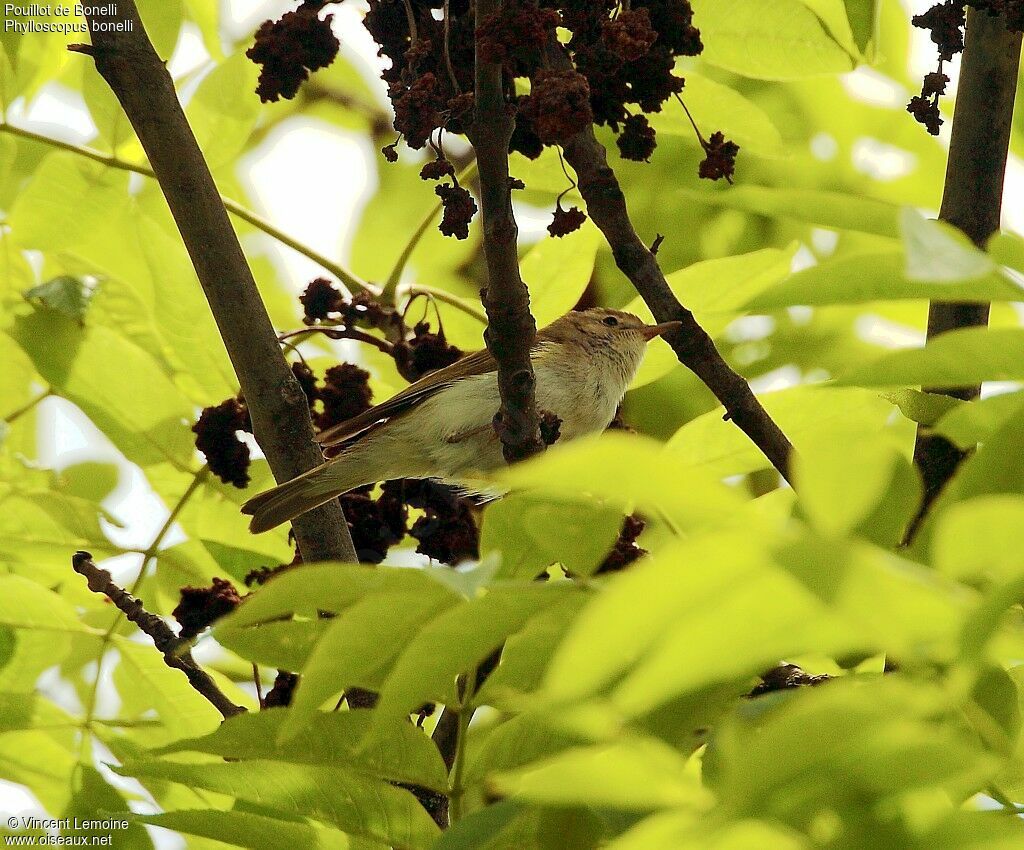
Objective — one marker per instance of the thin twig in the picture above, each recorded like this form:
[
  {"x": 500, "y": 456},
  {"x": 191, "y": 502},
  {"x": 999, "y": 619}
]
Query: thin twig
[
  {"x": 15, "y": 415},
  {"x": 340, "y": 332},
  {"x": 389, "y": 293},
  {"x": 348, "y": 278},
  {"x": 606, "y": 205},
  {"x": 175, "y": 651},
  {"x": 447, "y": 51},
  {"x": 148, "y": 556}
]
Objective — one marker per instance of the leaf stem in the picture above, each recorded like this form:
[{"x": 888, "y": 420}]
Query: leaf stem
[
  {"x": 465, "y": 714},
  {"x": 390, "y": 292},
  {"x": 15, "y": 415},
  {"x": 348, "y": 278}
]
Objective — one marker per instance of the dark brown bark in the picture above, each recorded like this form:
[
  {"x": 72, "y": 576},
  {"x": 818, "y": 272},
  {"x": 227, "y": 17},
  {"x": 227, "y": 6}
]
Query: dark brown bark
[
  {"x": 606, "y": 205},
  {"x": 510, "y": 324},
  {"x": 972, "y": 199},
  {"x": 174, "y": 649},
  {"x": 137, "y": 76}
]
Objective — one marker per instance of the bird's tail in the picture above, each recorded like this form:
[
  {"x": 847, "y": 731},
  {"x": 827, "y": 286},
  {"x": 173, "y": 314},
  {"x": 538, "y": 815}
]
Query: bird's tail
[{"x": 305, "y": 492}]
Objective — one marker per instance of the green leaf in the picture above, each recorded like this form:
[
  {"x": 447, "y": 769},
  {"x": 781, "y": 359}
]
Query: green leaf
[
  {"x": 955, "y": 359},
  {"x": 352, "y": 802},
  {"x": 557, "y": 272},
  {"x": 841, "y": 744},
  {"x": 980, "y": 538},
  {"x": 863, "y": 16},
  {"x": 406, "y": 754},
  {"x": 286, "y": 644},
  {"x": 360, "y": 646},
  {"x": 507, "y": 825},
  {"x": 819, "y": 207},
  {"x": 937, "y": 251},
  {"x": 527, "y": 653},
  {"x": 661, "y": 629},
  {"x": 646, "y": 477},
  {"x": 875, "y": 276},
  {"x": 115, "y": 383},
  {"x": 722, "y": 108},
  {"x": 328, "y": 587},
  {"x": 65, "y": 294},
  {"x": 974, "y": 422},
  {"x": 842, "y": 485},
  {"x": 923, "y": 408},
  {"x": 531, "y": 534},
  {"x": 92, "y": 794},
  {"x": 767, "y": 39},
  {"x": 145, "y": 683},
  {"x": 454, "y": 642},
  {"x": 27, "y": 605},
  {"x": 222, "y": 112},
  {"x": 517, "y": 742},
  {"x": 28, "y": 711},
  {"x": 806, "y": 414},
  {"x": 245, "y": 829},
  {"x": 716, "y": 291},
  {"x": 639, "y": 775}
]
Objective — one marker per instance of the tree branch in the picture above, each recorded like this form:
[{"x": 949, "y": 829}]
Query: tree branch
[
  {"x": 510, "y": 325},
  {"x": 174, "y": 650},
  {"x": 128, "y": 62},
  {"x": 606, "y": 205},
  {"x": 971, "y": 199}
]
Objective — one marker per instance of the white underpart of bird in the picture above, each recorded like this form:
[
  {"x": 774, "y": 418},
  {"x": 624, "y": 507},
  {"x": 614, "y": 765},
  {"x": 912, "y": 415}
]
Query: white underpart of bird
[{"x": 441, "y": 427}]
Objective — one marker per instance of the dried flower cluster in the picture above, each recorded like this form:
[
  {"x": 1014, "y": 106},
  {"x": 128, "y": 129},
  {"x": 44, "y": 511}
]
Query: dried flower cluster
[
  {"x": 623, "y": 58},
  {"x": 945, "y": 22},
  {"x": 290, "y": 48}
]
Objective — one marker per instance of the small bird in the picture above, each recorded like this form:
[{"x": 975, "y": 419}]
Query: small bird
[{"x": 441, "y": 427}]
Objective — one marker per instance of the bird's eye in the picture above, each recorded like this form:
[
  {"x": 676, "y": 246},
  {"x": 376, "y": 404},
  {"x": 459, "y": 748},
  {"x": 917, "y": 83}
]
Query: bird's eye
[{"x": 611, "y": 321}]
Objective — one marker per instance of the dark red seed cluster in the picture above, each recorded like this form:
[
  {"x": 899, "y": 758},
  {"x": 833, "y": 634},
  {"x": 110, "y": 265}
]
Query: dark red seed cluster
[
  {"x": 346, "y": 393},
  {"x": 371, "y": 525},
  {"x": 280, "y": 695},
  {"x": 217, "y": 438},
  {"x": 320, "y": 300},
  {"x": 289, "y": 49},
  {"x": 202, "y": 606},
  {"x": 625, "y": 551},
  {"x": 945, "y": 21},
  {"x": 637, "y": 140},
  {"x": 558, "y": 106},
  {"x": 564, "y": 221},
  {"x": 623, "y": 56},
  {"x": 459, "y": 209},
  {"x": 425, "y": 352},
  {"x": 719, "y": 158}
]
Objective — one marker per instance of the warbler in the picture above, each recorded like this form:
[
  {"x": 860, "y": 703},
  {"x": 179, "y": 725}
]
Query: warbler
[{"x": 442, "y": 425}]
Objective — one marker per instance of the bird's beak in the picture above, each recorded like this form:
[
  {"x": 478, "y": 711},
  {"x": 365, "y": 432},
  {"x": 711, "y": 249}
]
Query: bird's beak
[{"x": 649, "y": 332}]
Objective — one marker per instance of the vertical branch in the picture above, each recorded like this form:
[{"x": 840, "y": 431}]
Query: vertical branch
[
  {"x": 510, "y": 325},
  {"x": 126, "y": 59},
  {"x": 972, "y": 198}
]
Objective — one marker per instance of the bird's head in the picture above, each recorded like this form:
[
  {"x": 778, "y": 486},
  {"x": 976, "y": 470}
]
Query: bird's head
[{"x": 602, "y": 326}]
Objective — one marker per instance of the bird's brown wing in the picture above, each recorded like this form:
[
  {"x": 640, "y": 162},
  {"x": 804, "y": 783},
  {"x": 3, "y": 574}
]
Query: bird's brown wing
[{"x": 478, "y": 363}]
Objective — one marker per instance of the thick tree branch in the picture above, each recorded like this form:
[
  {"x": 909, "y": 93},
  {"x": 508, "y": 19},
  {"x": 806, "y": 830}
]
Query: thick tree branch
[
  {"x": 133, "y": 70},
  {"x": 606, "y": 205},
  {"x": 972, "y": 197},
  {"x": 510, "y": 325},
  {"x": 175, "y": 652}
]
